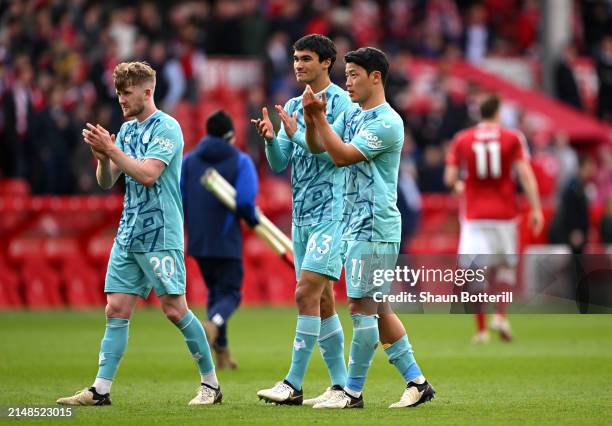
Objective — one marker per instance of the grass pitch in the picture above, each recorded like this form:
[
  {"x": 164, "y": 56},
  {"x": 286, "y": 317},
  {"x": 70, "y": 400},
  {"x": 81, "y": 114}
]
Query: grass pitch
[{"x": 557, "y": 371}]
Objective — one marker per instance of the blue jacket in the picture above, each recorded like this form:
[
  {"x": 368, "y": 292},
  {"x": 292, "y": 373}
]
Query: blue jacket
[{"x": 212, "y": 229}]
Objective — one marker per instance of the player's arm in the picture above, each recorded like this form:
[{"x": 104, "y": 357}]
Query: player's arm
[
  {"x": 107, "y": 173},
  {"x": 452, "y": 180},
  {"x": 278, "y": 151},
  {"x": 144, "y": 172},
  {"x": 451, "y": 172},
  {"x": 341, "y": 154},
  {"x": 530, "y": 186},
  {"x": 311, "y": 135}
]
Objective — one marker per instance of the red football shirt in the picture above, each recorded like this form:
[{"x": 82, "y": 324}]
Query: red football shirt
[{"x": 485, "y": 155}]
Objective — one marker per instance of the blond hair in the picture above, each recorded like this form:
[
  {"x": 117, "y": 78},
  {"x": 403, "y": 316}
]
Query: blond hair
[{"x": 133, "y": 73}]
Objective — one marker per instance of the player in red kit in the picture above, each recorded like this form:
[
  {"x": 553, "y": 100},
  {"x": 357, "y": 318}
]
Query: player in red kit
[{"x": 480, "y": 165}]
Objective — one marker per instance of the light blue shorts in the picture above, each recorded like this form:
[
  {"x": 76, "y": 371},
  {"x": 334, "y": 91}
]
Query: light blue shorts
[
  {"x": 138, "y": 273},
  {"x": 318, "y": 248},
  {"x": 364, "y": 266}
]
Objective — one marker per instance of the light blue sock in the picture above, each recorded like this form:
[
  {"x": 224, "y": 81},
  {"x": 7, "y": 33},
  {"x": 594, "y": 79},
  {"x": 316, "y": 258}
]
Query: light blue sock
[
  {"x": 401, "y": 356},
  {"x": 195, "y": 337},
  {"x": 306, "y": 335},
  {"x": 112, "y": 347},
  {"x": 331, "y": 343},
  {"x": 363, "y": 346}
]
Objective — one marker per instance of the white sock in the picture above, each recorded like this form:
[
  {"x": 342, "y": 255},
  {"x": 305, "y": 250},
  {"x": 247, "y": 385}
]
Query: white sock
[
  {"x": 419, "y": 380},
  {"x": 352, "y": 393},
  {"x": 102, "y": 385},
  {"x": 210, "y": 379}
]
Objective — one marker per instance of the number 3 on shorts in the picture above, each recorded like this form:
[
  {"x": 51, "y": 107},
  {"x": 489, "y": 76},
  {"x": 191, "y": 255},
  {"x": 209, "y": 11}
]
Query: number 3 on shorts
[
  {"x": 324, "y": 249},
  {"x": 167, "y": 266}
]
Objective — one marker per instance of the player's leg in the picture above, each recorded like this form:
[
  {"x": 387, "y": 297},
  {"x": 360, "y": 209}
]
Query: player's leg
[
  {"x": 363, "y": 347},
  {"x": 317, "y": 253},
  {"x": 395, "y": 342},
  {"x": 307, "y": 298},
  {"x": 473, "y": 246},
  {"x": 176, "y": 310},
  {"x": 502, "y": 280},
  {"x": 326, "y": 258},
  {"x": 359, "y": 263},
  {"x": 504, "y": 277},
  {"x": 166, "y": 271},
  {"x": 123, "y": 284},
  {"x": 331, "y": 344}
]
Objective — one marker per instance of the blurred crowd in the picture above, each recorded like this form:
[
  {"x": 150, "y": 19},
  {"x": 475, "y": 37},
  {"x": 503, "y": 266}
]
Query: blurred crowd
[{"x": 57, "y": 56}]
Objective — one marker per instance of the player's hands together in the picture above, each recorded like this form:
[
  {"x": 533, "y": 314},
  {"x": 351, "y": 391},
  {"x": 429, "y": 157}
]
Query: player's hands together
[
  {"x": 312, "y": 104},
  {"x": 264, "y": 125},
  {"x": 99, "y": 139},
  {"x": 289, "y": 122},
  {"x": 536, "y": 221}
]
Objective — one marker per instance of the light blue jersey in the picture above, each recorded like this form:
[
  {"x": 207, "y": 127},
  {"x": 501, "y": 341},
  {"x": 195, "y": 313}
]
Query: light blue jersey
[
  {"x": 152, "y": 218},
  {"x": 316, "y": 182},
  {"x": 370, "y": 210}
]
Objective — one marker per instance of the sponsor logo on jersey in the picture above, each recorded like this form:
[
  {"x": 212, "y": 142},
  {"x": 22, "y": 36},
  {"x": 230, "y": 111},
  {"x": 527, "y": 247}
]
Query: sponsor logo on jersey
[
  {"x": 372, "y": 140},
  {"x": 146, "y": 137},
  {"x": 164, "y": 143}
]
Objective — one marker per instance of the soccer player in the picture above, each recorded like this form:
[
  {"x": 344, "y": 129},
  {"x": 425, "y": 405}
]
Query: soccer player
[
  {"x": 148, "y": 249},
  {"x": 487, "y": 154},
  {"x": 367, "y": 139},
  {"x": 316, "y": 217}
]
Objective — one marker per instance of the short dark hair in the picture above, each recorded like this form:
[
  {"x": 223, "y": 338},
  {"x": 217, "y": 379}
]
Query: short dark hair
[
  {"x": 370, "y": 58},
  {"x": 489, "y": 107},
  {"x": 320, "y": 45}
]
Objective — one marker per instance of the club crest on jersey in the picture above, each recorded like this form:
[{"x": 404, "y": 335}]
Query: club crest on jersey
[
  {"x": 146, "y": 137},
  {"x": 164, "y": 143},
  {"x": 372, "y": 140}
]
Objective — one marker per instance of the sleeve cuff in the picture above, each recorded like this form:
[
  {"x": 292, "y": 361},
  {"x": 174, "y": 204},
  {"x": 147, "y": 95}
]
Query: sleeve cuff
[{"x": 364, "y": 153}]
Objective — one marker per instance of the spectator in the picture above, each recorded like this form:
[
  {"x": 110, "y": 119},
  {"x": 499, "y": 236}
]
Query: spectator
[
  {"x": 17, "y": 112},
  {"x": 214, "y": 234},
  {"x": 604, "y": 74},
  {"x": 570, "y": 224},
  {"x": 566, "y": 87},
  {"x": 476, "y": 36},
  {"x": 170, "y": 85},
  {"x": 567, "y": 160},
  {"x": 409, "y": 201},
  {"x": 605, "y": 227}
]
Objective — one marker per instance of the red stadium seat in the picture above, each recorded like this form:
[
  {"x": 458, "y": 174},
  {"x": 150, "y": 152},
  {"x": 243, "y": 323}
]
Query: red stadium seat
[
  {"x": 14, "y": 187},
  {"x": 278, "y": 279},
  {"x": 252, "y": 291},
  {"x": 80, "y": 284},
  {"x": 10, "y": 297},
  {"x": 42, "y": 285}
]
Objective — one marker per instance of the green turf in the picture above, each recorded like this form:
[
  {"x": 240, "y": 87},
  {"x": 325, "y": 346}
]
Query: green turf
[{"x": 559, "y": 370}]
